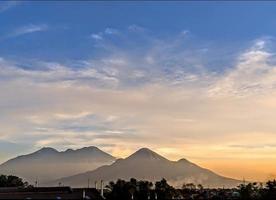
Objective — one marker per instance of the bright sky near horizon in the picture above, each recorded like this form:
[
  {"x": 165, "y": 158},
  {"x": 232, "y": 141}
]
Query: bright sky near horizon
[{"x": 186, "y": 79}]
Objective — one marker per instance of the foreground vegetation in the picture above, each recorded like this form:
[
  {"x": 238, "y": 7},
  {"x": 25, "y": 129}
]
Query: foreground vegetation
[
  {"x": 144, "y": 190},
  {"x": 161, "y": 190},
  {"x": 11, "y": 181}
]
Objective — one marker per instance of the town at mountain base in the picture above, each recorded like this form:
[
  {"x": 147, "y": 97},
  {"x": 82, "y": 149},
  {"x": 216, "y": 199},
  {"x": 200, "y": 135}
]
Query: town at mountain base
[{"x": 12, "y": 187}]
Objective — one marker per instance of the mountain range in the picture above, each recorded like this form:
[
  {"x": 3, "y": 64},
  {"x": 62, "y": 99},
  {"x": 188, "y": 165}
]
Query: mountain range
[
  {"x": 48, "y": 164},
  {"x": 75, "y": 167},
  {"x": 145, "y": 164}
]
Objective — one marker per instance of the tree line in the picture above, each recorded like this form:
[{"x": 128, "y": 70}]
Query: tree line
[
  {"x": 161, "y": 190},
  {"x": 12, "y": 181},
  {"x": 258, "y": 191}
]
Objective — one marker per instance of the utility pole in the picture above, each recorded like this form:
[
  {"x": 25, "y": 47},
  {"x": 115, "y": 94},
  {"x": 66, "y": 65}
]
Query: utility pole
[
  {"x": 36, "y": 182},
  {"x": 102, "y": 188}
]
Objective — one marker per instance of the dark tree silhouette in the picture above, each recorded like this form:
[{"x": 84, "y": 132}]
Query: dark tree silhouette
[
  {"x": 133, "y": 189},
  {"x": 120, "y": 190},
  {"x": 143, "y": 190},
  {"x": 11, "y": 181},
  {"x": 250, "y": 191},
  {"x": 270, "y": 190},
  {"x": 164, "y": 190},
  {"x": 189, "y": 186}
]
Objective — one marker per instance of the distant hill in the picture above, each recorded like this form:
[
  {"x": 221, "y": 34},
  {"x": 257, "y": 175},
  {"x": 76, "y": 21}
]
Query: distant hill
[
  {"x": 148, "y": 165},
  {"x": 49, "y": 164}
]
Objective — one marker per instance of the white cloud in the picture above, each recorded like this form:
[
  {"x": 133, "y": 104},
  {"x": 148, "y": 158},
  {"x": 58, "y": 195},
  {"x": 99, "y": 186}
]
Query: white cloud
[
  {"x": 96, "y": 36},
  {"x": 111, "y": 31},
  {"x": 31, "y": 28},
  {"x": 24, "y": 30},
  {"x": 6, "y": 5},
  {"x": 107, "y": 32},
  {"x": 253, "y": 75},
  {"x": 56, "y": 73},
  {"x": 185, "y": 32}
]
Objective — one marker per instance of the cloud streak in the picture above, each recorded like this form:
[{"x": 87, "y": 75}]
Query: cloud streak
[
  {"x": 28, "y": 29},
  {"x": 6, "y": 5},
  {"x": 25, "y": 30}
]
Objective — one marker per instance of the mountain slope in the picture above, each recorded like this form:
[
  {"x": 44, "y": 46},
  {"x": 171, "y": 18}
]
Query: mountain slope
[
  {"x": 146, "y": 164},
  {"x": 49, "y": 164}
]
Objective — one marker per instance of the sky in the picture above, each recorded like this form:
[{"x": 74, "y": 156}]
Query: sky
[{"x": 193, "y": 80}]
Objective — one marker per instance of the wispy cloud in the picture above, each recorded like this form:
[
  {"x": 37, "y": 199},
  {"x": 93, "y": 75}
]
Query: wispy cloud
[
  {"x": 96, "y": 36},
  {"x": 111, "y": 31},
  {"x": 136, "y": 28},
  {"x": 107, "y": 32},
  {"x": 6, "y": 5},
  {"x": 31, "y": 28},
  {"x": 253, "y": 75}
]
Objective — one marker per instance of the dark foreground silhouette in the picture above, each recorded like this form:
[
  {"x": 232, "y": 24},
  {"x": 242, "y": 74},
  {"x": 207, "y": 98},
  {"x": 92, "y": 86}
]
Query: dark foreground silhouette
[
  {"x": 144, "y": 190},
  {"x": 12, "y": 187}
]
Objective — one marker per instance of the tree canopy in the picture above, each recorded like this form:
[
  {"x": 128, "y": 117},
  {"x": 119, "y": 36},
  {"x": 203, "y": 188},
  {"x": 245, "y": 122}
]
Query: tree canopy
[
  {"x": 11, "y": 181},
  {"x": 161, "y": 190}
]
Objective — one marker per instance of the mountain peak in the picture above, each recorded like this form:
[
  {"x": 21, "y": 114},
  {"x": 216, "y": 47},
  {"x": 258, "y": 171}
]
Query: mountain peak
[
  {"x": 146, "y": 153},
  {"x": 83, "y": 149},
  {"x": 69, "y": 150},
  {"x": 87, "y": 152},
  {"x": 146, "y": 164},
  {"x": 90, "y": 148},
  {"x": 66, "y": 163},
  {"x": 46, "y": 150},
  {"x": 183, "y": 160}
]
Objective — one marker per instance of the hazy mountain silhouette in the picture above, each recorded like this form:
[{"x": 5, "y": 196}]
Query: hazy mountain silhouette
[
  {"x": 49, "y": 164},
  {"x": 148, "y": 165}
]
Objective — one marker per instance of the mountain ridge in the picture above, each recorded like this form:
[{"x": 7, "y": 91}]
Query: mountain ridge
[
  {"x": 147, "y": 164},
  {"x": 48, "y": 163}
]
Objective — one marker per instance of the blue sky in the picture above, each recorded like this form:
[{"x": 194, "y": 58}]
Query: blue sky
[
  {"x": 187, "y": 79},
  {"x": 68, "y": 25}
]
